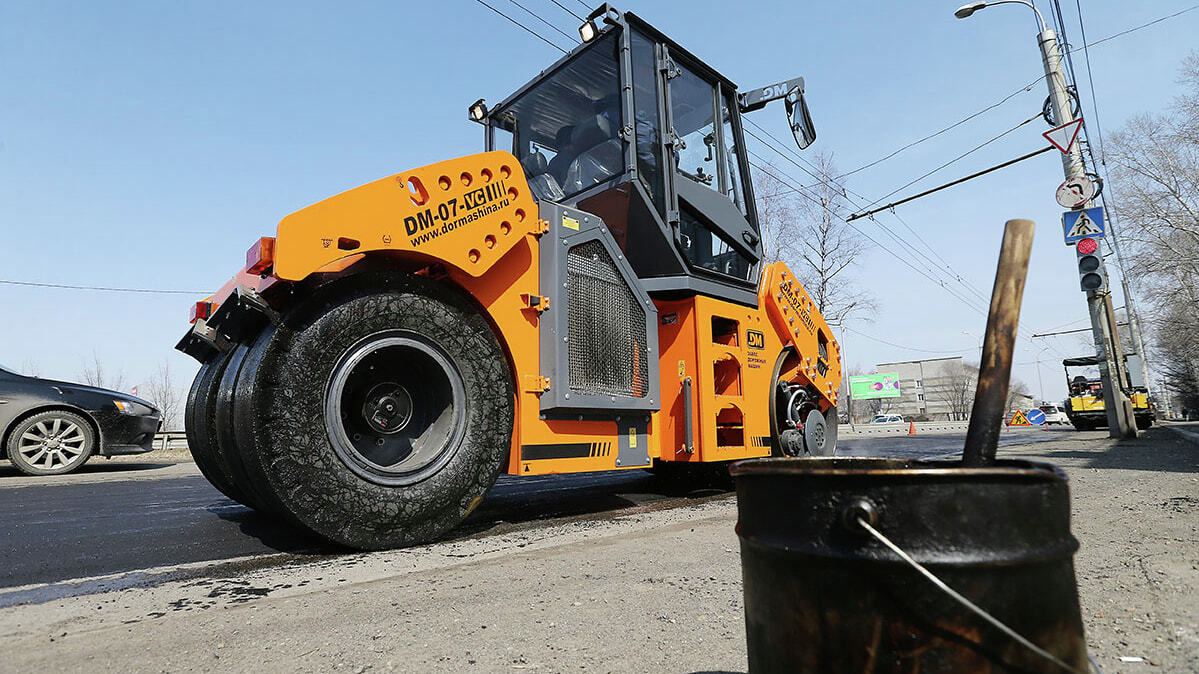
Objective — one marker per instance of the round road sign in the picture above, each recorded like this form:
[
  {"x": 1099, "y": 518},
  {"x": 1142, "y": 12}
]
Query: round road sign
[
  {"x": 1035, "y": 416},
  {"x": 1075, "y": 192}
]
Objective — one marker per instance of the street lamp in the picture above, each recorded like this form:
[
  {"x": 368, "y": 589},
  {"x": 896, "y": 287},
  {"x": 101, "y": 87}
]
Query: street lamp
[
  {"x": 971, "y": 334},
  {"x": 1041, "y": 386},
  {"x": 966, "y": 10},
  {"x": 1116, "y": 404}
]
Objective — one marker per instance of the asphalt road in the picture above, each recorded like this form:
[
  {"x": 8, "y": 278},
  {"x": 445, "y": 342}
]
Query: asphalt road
[{"x": 123, "y": 517}]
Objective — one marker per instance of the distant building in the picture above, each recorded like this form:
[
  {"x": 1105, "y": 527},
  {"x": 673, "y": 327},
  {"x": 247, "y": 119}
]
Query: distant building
[
  {"x": 938, "y": 388},
  {"x": 941, "y": 389}
]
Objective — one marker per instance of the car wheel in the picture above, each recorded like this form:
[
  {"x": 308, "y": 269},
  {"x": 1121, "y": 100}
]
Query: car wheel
[
  {"x": 382, "y": 419},
  {"x": 51, "y": 443}
]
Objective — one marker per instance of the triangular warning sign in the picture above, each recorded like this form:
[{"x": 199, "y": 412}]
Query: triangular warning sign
[
  {"x": 1018, "y": 419},
  {"x": 1083, "y": 226},
  {"x": 1063, "y": 137}
]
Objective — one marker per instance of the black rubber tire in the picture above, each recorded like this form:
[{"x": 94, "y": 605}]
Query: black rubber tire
[
  {"x": 1083, "y": 426},
  {"x": 228, "y": 453},
  {"x": 25, "y": 425},
  {"x": 1144, "y": 423},
  {"x": 285, "y": 391},
  {"x": 199, "y": 421},
  {"x": 831, "y": 421}
]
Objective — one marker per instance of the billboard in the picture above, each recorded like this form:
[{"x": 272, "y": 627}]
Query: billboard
[{"x": 869, "y": 386}]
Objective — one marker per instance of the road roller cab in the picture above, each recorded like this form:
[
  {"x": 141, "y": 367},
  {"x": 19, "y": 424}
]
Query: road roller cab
[{"x": 588, "y": 294}]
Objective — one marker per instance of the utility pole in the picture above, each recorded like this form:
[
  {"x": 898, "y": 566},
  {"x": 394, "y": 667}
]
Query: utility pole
[{"x": 1120, "y": 419}]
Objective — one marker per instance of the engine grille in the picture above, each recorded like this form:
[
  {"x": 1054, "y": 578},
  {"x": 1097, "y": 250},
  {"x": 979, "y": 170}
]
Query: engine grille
[{"x": 605, "y": 327}]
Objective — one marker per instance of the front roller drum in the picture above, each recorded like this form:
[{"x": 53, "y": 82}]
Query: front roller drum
[{"x": 382, "y": 418}]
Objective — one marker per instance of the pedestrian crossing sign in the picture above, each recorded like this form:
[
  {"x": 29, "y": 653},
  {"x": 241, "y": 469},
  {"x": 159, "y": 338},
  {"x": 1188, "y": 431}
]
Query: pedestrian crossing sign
[
  {"x": 1085, "y": 224},
  {"x": 1018, "y": 419}
]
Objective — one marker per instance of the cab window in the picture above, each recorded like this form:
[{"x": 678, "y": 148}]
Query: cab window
[
  {"x": 732, "y": 187},
  {"x": 566, "y": 128},
  {"x": 693, "y": 110}
]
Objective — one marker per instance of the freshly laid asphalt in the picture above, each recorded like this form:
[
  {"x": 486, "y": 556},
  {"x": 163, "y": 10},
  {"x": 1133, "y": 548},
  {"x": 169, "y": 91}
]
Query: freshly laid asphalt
[{"x": 122, "y": 517}]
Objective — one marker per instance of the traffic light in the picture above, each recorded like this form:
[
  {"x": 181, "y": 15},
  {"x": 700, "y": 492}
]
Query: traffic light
[{"x": 1091, "y": 275}]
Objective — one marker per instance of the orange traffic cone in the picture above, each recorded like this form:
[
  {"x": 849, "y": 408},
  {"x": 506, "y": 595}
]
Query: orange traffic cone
[{"x": 911, "y": 428}]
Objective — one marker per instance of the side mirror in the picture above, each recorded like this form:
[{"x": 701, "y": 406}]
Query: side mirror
[{"x": 799, "y": 119}]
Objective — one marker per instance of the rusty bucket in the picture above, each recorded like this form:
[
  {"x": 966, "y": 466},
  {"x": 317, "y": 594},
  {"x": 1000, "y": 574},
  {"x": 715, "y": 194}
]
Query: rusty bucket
[{"x": 823, "y": 594}]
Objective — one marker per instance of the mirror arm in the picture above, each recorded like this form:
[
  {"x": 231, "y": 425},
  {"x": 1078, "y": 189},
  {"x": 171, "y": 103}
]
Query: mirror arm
[{"x": 758, "y": 98}]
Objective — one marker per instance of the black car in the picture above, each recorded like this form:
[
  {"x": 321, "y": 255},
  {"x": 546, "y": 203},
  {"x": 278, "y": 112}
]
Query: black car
[{"x": 52, "y": 427}]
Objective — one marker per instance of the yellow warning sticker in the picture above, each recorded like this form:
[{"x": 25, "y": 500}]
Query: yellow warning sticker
[
  {"x": 1018, "y": 419},
  {"x": 570, "y": 223},
  {"x": 682, "y": 368},
  {"x": 632, "y": 437}
]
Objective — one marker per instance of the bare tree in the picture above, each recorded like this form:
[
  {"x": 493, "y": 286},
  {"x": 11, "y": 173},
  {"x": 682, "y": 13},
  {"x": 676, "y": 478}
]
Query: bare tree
[
  {"x": 162, "y": 392},
  {"x": 31, "y": 368},
  {"x": 955, "y": 388},
  {"x": 94, "y": 374},
  {"x": 777, "y": 215},
  {"x": 807, "y": 230},
  {"x": 1155, "y": 172},
  {"x": 1016, "y": 390}
]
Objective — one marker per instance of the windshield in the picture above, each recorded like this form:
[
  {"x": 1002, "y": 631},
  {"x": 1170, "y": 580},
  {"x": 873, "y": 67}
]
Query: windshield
[{"x": 566, "y": 127}]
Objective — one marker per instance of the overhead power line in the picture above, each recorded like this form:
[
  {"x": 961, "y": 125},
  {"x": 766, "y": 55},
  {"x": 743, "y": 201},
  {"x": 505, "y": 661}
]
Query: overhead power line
[
  {"x": 965, "y": 154},
  {"x": 972, "y": 176},
  {"x": 956, "y": 124},
  {"x": 537, "y": 16},
  {"x": 63, "y": 286},
  {"x": 568, "y": 10},
  {"x": 906, "y": 348},
  {"x": 1135, "y": 28},
  {"x": 778, "y": 146},
  {"x": 528, "y": 30}
]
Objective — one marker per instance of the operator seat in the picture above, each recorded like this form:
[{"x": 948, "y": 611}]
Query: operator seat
[
  {"x": 600, "y": 157},
  {"x": 544, "y": 185}
]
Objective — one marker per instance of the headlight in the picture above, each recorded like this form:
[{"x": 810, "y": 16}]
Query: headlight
[{"x": 126, "y": 407}]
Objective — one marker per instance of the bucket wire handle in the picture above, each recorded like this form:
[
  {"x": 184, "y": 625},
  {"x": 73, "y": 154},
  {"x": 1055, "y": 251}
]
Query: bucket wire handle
[{"x": 964, "y": 601}]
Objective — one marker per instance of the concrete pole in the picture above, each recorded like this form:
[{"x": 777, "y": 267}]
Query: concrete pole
[{"x": 1111, "y": 353}]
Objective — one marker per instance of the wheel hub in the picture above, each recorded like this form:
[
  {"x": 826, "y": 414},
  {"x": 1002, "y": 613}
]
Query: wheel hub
[
  {"x": 388, "y": 408},
  {"x": 395, "y": 408}
]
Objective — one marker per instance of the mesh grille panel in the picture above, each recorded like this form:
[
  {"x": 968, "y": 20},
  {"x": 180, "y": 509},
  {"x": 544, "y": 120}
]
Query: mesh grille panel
[{"x": 606, "y": 326}]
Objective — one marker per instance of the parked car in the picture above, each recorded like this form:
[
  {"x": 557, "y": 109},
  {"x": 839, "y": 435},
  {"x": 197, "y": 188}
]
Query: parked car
[
  {"x": 52, "y": 427},
  {"x": 1054, "y": 414},
  {"x": 887, "y": 419}
]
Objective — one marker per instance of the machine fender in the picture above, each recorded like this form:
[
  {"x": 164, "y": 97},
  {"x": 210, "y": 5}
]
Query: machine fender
[{"x": 466, "y": 213}]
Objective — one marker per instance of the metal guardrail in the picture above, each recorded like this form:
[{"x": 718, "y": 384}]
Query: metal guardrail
[
  {"x": 170, "y": 440},
  {"x": 902, "y": 429}
]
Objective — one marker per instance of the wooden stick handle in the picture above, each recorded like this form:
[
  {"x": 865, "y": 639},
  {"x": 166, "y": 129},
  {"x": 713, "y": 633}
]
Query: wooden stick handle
[{"x": 999, "y": 344}]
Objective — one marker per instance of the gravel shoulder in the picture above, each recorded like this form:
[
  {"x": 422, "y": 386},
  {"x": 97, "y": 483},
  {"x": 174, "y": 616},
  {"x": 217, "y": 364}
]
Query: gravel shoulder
[{"x": 652, "y": 590}]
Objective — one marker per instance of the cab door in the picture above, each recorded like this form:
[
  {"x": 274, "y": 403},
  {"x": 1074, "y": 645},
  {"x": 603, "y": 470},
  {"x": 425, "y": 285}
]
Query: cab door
[{"x": 714, "y": 232}]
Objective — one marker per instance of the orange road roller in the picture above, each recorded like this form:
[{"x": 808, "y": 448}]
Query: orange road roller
[{"x": 589, "y": 294}]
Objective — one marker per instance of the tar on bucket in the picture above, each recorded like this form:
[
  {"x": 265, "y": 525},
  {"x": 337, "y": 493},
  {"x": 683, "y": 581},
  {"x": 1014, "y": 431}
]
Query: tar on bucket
[{"x": 841, "y": 559}]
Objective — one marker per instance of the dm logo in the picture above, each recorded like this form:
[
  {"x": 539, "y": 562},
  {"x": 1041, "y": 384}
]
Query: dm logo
[{"x": 755, "y": 340}]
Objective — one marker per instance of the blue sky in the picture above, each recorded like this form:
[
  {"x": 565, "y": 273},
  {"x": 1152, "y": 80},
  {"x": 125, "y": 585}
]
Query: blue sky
[{"x": 148, "y": 144}]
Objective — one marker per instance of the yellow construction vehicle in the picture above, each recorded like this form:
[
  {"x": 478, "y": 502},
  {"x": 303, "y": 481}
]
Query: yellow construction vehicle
[
  {"x": 588, "y": 294},
  {"x": 1085, "y": 407}
]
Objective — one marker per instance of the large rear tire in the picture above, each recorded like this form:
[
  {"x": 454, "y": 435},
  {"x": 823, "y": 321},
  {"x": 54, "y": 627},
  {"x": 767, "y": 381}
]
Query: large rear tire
[
  {"x": 228, "y": 452},
  {"x": 378, "y": 419},
  {"x": 199, "y": 421}
]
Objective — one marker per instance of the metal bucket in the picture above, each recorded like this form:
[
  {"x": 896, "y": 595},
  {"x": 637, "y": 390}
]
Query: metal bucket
[{"x": 823, "y": 595}]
